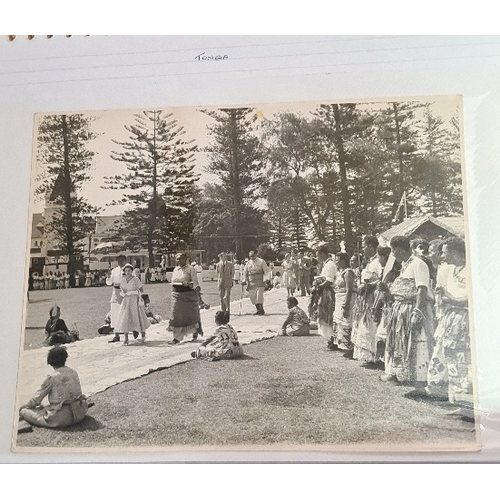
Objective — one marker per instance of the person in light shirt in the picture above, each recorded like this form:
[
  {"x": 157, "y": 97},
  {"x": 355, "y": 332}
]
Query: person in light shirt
[
  {"x": 185, "y": 311},
  {"x": 449, "y": 375},
  {"x": 410, "y": 322},
  {"x": 114, "y": 279},
  {"x": 364, "y": 329},
  {"x": 225, "y": 275},
  {"x": 322, "y": 301},
  {"x": 253, "y": 276}
]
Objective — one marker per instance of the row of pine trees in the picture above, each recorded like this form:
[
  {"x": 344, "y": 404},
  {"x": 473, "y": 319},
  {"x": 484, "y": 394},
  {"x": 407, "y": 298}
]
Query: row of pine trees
[{"x": 332, "y": 175}]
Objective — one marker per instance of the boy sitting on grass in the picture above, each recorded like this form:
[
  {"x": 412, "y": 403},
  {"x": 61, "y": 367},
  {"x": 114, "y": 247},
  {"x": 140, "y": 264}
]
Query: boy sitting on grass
[{"x": 297, "y": 320}]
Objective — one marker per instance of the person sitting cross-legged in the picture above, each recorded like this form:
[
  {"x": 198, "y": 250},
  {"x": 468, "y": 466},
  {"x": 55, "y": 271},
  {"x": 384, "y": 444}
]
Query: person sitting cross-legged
[
  {"x": 297, "y": 319},
  {"x": 67, "y": 405}
]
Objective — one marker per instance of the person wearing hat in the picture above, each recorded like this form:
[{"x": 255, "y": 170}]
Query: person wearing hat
[
  {"x": 254, "y": 272},
  {"x": 225, "y": 275},
  {"x": 114, "y": 279},
  {"x": 132, "y": 316},
  {"x": 185, "y": 306}
]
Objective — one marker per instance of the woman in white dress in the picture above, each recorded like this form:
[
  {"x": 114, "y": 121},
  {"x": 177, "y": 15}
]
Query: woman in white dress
[
  {"x": 132, "y": 316},
  {"x": 237, "y": 271}
]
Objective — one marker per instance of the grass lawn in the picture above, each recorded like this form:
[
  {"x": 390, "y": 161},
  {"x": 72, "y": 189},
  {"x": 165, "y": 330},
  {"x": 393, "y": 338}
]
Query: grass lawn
[
  {"x": 87, "y": 307},
  {"x": 286, "y": 391}
]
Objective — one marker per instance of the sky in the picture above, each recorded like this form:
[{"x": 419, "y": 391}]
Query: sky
[{"x": 109, "y": 125}]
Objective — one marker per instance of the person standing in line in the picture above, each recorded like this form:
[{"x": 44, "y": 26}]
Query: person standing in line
[
  {"x": 237, "y": 271},
  {"x": 52, "y": 281},
  {"x": 253, "y": 277},
  {"x": 225, "y": 274},
  {"x": 305, "y": 275},
  {"x": 270, "y": 275},
  {"x": 382, "y": 302},
  {"x": 322, "y": 302},
  {"x": 364, "y": 330},
  {"x": 114, "y": 279},
  {"x": 345, "y": 295},
  {"x": 449, "y": 374},
  {"x": 211, "y": 271},
  {"x": 199, "y": 271},
  {"x": 288, "y": 275},
  {"x": 185, "y": 309},
  {"x": 410, "y": 322}
]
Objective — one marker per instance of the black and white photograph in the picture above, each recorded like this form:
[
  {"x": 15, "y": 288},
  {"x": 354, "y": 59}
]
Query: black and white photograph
[{"x": 274, "y": 276}]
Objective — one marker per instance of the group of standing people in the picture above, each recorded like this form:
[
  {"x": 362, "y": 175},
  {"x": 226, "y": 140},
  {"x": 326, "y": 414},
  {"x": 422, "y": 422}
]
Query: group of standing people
[
  {"x": 298, "y": 272},
  {"x": 403, "y": 309},
  {"x": 49, "y": 281}
]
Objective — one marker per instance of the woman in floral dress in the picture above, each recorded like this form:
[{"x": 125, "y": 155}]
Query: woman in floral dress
[
  {"x": 223, "y": 344},
  {"x": 449, "y": 373}
]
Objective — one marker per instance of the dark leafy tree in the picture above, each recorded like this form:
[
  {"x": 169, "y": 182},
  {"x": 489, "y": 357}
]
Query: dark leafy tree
[
  {"x": 344, "y": 130},
  {"x": 235, "y": 157},
  {"x": 266, "y": 252},
  {"x": 214, "y": 230},
  {"x": 296, "y": 169},
  {"x": 437, "y": 170}
]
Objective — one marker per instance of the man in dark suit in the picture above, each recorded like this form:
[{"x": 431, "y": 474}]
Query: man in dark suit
[{"x": 225, "y": 277}]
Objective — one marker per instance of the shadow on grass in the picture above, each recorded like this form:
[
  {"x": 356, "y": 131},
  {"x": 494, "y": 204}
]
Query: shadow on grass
[
  {"x": 245, "y": 357},
  {"x": 87, "y": 424},
  {"x": 153, "y": 343},
  {"x": 422, "y": 397},
  {"x": 373, "y": 366},
  {"x": 31, "y": 301}
]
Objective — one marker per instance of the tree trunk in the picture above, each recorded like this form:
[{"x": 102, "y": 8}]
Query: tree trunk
[
  {"x": 400, "y": 187},
  {"x": 68, "y": 190},
  {"x": 235, "y": 183},
  {"x": 343, "y": 175},
  {"x": 153, "y": 208}
]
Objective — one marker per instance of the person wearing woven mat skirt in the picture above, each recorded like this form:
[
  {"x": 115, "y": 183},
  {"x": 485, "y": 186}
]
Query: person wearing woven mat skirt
[{"x": 185, "y": 313}]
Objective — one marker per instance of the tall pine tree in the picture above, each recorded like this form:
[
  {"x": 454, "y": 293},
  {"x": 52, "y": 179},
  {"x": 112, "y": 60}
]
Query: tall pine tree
[
  {"x": 160, "y": 186},
  {"x": 235, "y": 157},
  {"x": 436, "y": 169},
  {"x": 65, "y": 161}
]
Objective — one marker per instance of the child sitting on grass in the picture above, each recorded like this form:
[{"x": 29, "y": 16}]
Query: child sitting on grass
[
  {"x": 297, "y": 320},
  {"x": 223, "y": 344},
  {"x": 277, "y": 281}
]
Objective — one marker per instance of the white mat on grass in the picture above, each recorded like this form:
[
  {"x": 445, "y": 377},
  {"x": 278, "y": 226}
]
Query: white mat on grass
[{"x": 101, "y": 365}]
